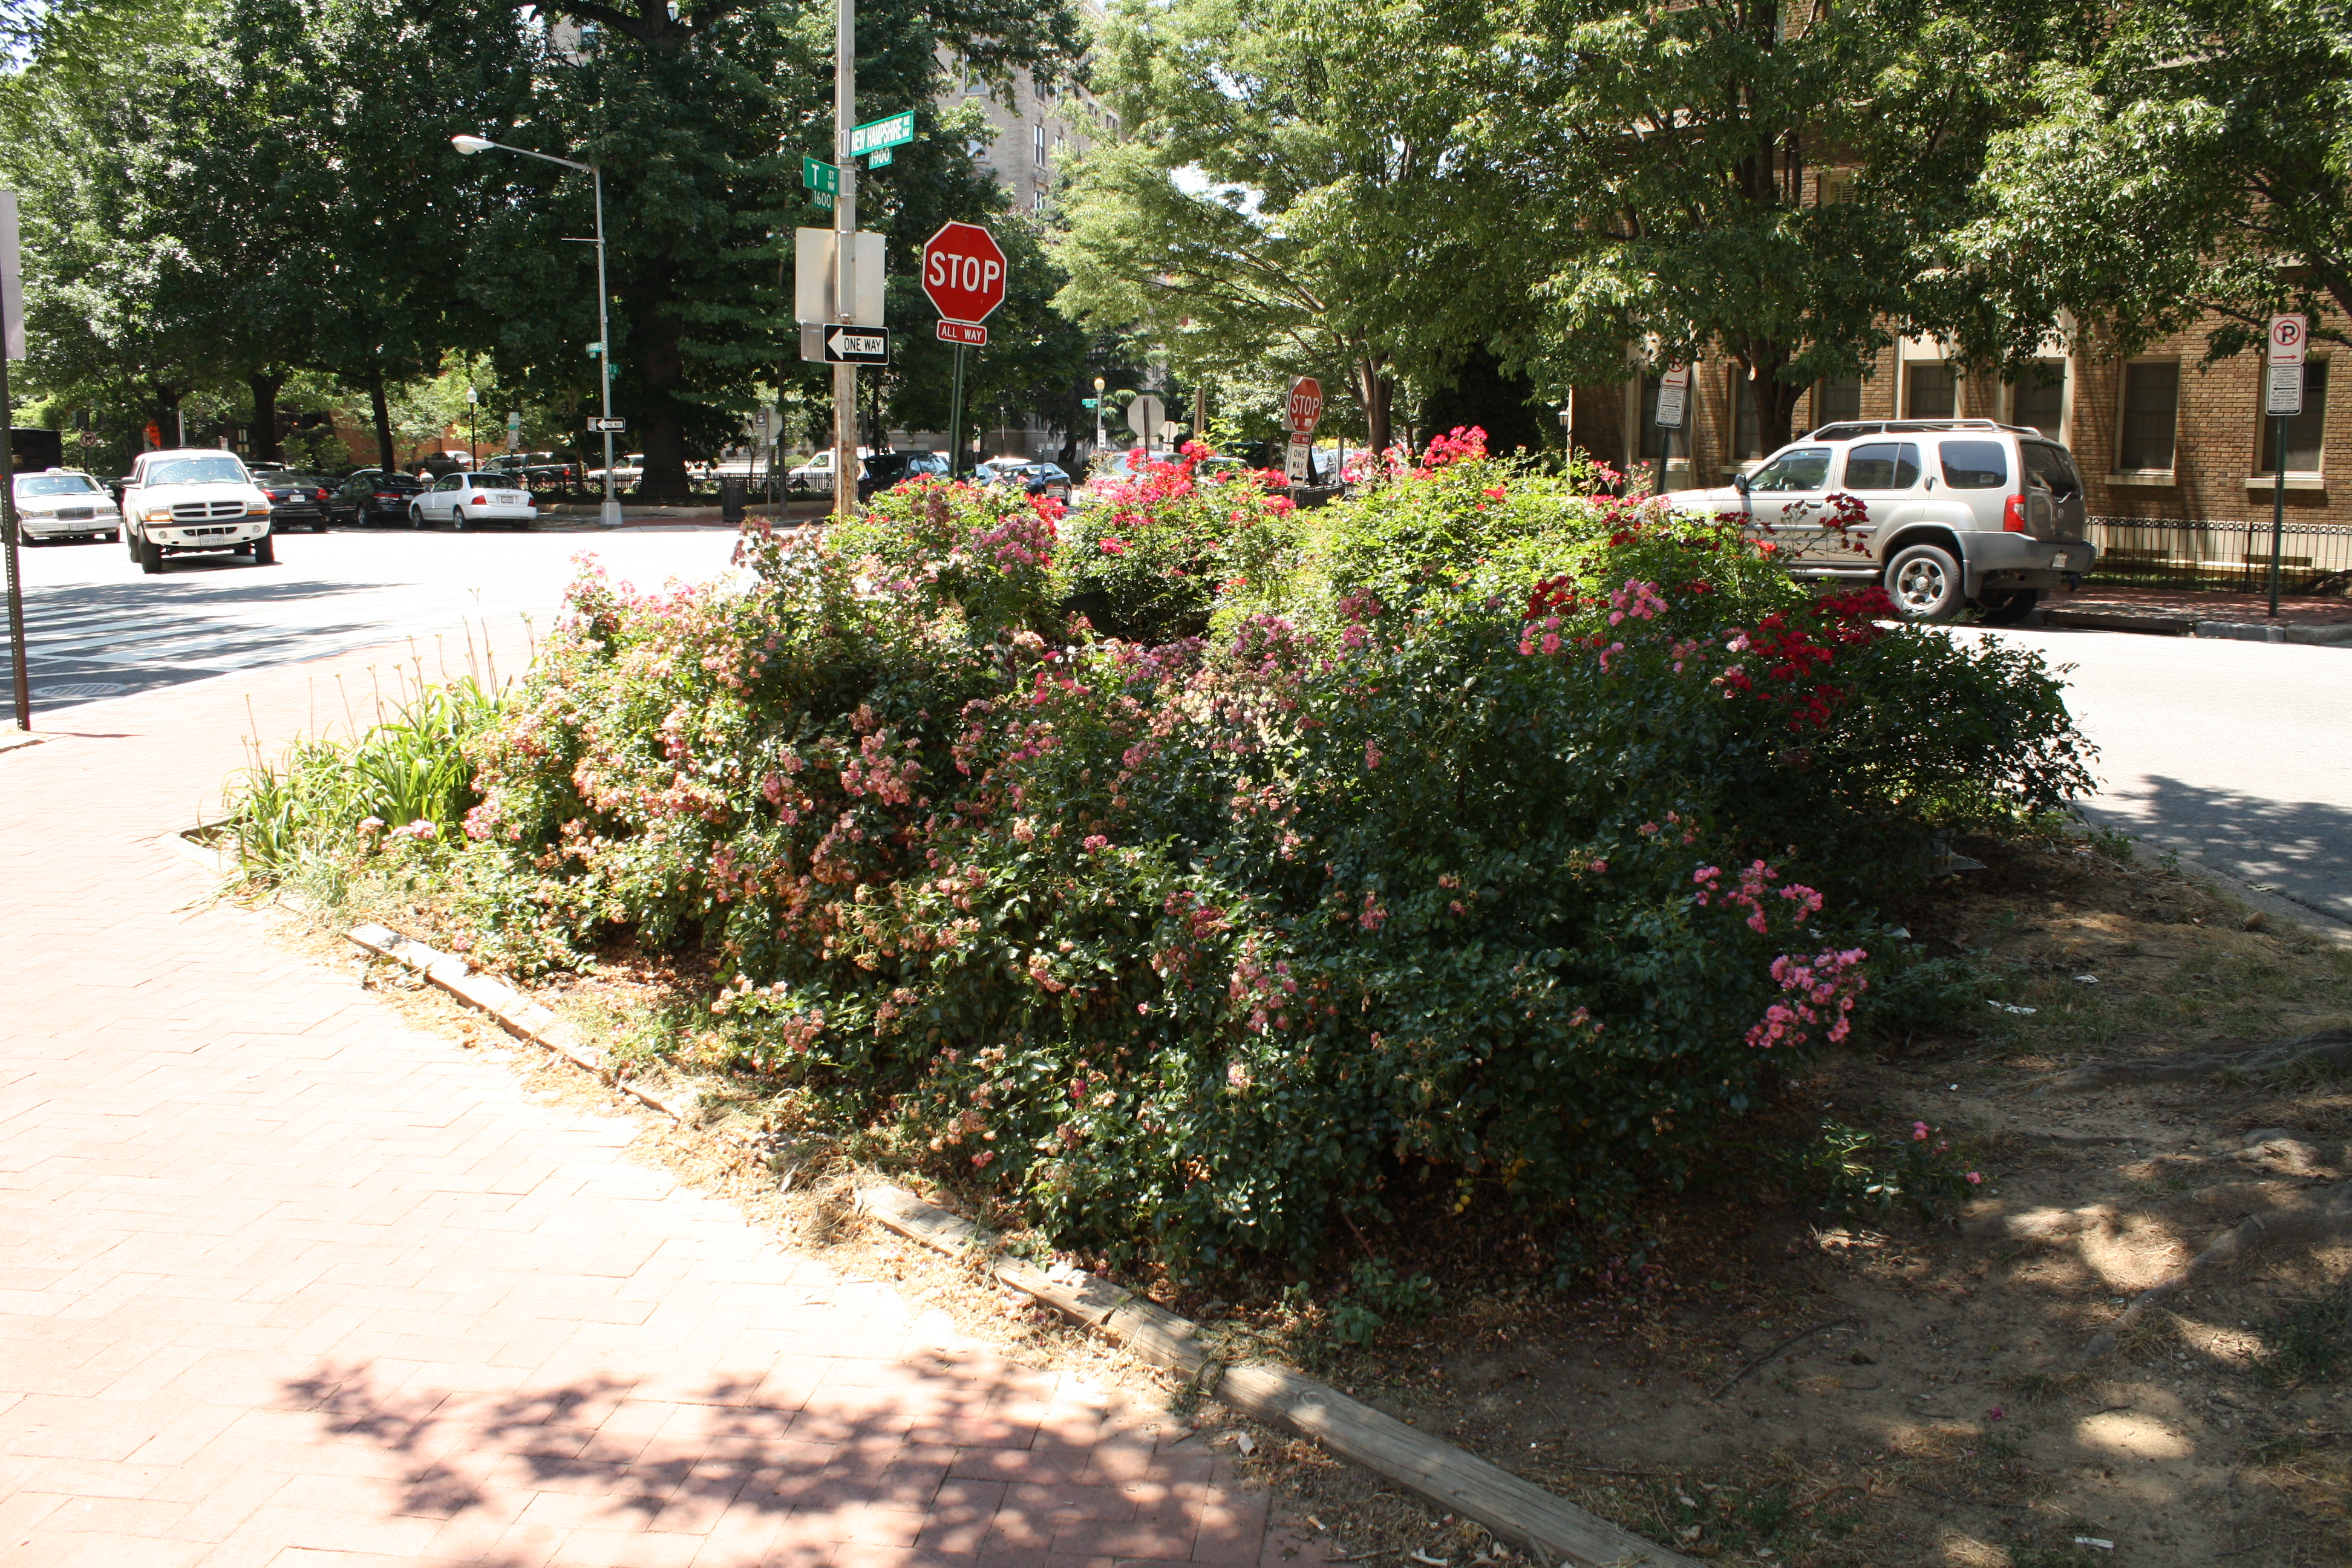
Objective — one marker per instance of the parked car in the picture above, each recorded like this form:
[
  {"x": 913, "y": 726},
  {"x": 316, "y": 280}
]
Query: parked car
[
  {"x": 815, "y": 475},
  {"x": 374, "y": 498},
  {"x": 537, "y": 469},
  {"x": 295, "y": 500},
  {"x": 64, "y": 504},
  {"x": 1946, "y": 512},
  {"x": 469, "y": 500},
  {"x": 185, "y": 499},
  {"x": 884, "y": 469}
]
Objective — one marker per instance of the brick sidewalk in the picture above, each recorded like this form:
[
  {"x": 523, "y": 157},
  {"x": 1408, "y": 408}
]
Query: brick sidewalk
[
  {"x": 284, "y": 1282},
  {"x": 2196, "y": 604}
]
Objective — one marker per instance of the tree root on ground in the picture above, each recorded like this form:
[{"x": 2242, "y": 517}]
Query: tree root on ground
[{"x": 2328, "y": 1049}]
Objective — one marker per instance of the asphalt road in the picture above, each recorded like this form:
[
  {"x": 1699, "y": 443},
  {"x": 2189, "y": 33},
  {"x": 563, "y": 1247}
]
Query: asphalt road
[
  {"x": 2235, "y": 754},
  {"x": 2239, "y": 754},
  {"x": 97, "y": 628}
]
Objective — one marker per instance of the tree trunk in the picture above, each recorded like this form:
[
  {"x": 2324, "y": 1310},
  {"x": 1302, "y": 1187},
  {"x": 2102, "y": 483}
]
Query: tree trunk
[
  {"x": 1376, "y": 396},
  {"x": 660, "y": 368},
  {"x": 265, "y": 415},
  {"x": 382, "y": 412},
  {"x": 161, "y": 403}
]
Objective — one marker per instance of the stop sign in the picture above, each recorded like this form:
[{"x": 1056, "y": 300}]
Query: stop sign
[
  {"x": 963, "y": 273},
  {"x": 1305, "y": 402}
]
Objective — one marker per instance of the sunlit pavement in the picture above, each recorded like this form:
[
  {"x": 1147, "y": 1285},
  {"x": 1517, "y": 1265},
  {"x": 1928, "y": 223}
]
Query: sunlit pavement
[
  {"x": 2235, "y": 754},
  {"x": 97, "y": 628}
]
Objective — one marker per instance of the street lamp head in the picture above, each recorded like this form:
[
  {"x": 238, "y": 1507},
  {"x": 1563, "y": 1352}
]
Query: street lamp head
[
  {"x": 471, "y": 144},
  {"x": 1098, "y": 386}
]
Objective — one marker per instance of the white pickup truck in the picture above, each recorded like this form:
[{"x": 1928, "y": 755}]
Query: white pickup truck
[{"x": 194, "y": 498}]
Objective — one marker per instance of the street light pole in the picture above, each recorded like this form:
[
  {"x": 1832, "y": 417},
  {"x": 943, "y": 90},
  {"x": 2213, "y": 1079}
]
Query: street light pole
[
  {"x": 845, "y": 232},
  {"x": 470, "y": 145},
  {"x": 1098, "y": 416}
]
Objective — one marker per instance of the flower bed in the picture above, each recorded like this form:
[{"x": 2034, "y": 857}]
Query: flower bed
[{"x": 1473, "y": 834}]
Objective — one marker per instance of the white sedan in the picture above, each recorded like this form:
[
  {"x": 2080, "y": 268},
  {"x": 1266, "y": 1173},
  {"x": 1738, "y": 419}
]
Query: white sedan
[{"x": 469, "y": 500}]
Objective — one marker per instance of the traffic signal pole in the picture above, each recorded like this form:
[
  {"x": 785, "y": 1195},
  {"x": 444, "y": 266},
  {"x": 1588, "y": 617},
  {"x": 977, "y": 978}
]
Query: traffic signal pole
[{"x": 844, "y": 227}]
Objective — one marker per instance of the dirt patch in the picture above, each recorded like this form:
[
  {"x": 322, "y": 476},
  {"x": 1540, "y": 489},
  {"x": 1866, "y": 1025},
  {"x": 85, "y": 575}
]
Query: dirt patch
[{"x": 1758, "y": 1381}]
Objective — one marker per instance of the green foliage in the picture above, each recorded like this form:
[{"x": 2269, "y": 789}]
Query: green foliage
[
  {"x": 328, "y": 802},
  {"x": 1867, "y": 1175},
  {"x": 2198, "y": 157},
  {"x": 1152, "y": 551},
  {"x": 1379, "y": 1298},
  {"x": 1498, "y": 842},
  {"x": 2309, "y": 1341},
  {"x": 1910, "y": 993}
]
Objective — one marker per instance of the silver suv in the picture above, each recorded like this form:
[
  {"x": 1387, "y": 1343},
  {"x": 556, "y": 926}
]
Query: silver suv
[{"x": 1942, "y": 513}]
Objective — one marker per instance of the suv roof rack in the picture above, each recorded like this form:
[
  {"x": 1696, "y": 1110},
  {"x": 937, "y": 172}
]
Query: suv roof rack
[{"x": 1844, "y": 429}]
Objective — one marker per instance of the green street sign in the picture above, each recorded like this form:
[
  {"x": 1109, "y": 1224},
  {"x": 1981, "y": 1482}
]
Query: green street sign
[
  {"x": 877, "y": 160},
  {"x": 895, "y": 131},
  {"x": 818, "y": 176},
  {"x": 823, "y": 199},
  {"x": 1088, "y": 402}
]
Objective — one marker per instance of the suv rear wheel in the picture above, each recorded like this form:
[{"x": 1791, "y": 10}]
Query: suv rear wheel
[
  {"x": 1925, "y": 582},
  {"x": 2008, "y": 609}
]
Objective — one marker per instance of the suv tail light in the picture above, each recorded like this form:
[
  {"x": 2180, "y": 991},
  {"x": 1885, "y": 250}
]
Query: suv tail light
[{"x": 2012, "y": 515}]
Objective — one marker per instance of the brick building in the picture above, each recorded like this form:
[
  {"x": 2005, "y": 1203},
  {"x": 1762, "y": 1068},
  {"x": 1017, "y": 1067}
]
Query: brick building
[{"x": 2177, "y": 457}]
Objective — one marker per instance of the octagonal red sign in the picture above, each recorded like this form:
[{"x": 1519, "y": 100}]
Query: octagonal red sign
[
  {"x": 963, "y": 273},
  {"x": 1305, "y": 402}
]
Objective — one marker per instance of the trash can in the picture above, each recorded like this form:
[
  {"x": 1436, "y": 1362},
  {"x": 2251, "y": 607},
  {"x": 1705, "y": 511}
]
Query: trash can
[{"x": 732, "y": 488}]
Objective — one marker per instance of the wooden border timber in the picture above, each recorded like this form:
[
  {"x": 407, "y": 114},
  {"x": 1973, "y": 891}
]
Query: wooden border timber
[{"x": 1555, "y": 1530}]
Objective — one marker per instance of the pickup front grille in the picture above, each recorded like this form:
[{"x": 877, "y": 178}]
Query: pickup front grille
[{"x": 196, "y": 511}]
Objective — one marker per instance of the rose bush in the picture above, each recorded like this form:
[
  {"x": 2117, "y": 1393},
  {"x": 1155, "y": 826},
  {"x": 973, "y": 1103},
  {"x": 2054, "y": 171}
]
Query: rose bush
[
  {"x": 1495, "y": 839},
  {"x": 1149, "y": 555}
]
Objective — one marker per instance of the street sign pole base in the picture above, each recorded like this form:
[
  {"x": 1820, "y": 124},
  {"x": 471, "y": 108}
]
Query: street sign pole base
[{"x": 609, "y": 514}]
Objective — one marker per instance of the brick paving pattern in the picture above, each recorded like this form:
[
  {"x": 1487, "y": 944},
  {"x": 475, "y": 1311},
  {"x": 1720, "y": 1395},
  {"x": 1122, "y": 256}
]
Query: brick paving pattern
[{"x": 283, "y": 1282}]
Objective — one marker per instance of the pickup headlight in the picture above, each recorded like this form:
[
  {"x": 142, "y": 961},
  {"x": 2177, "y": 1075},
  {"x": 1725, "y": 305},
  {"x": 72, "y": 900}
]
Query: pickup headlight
[
  {"x": 252, "y": 510},
  {"x": 161, "y": 514}
]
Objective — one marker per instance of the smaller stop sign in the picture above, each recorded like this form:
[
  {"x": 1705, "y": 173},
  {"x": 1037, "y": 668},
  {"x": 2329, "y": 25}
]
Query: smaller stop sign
[
  {"x": 963, "y": 273},
  {"x": 1305, "y": 402}
]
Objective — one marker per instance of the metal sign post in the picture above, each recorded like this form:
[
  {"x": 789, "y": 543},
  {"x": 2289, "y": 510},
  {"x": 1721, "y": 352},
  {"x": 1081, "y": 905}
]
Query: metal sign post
[
  {"x": 1674, "y": 393},
  {"x": 845, "y": 225},
  {"x": 2288, "y": 335},
  {"x": 11, "y": 346}
]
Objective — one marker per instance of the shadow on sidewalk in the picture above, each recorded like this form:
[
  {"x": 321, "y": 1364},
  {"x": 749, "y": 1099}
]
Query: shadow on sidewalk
[{"x": 2301, "y": 850}]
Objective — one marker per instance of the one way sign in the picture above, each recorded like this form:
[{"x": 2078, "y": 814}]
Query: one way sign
[{"x": 856, "y": 345}]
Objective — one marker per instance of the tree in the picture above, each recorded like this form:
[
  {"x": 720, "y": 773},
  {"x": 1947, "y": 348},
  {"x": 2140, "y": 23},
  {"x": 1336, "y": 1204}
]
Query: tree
[
  {"x": 698, "y": 121},
  {"x": 1775, "y": 182},
  {"x": 1292, "y": 199},
  {"x": 2200, "y": 161}
]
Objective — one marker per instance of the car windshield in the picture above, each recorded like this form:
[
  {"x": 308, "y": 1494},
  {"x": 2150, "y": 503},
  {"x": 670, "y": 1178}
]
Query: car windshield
[
  {"x": 1799, "y": 468},
  {"x": 305, "y": 481},
  {"x": 29, "y": 485},
  {"x": 491, "y": 481},
  {"x": 208, "y": 470}
]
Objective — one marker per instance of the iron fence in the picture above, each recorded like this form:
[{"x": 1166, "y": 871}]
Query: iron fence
[{"x": 2313, "y": 557}]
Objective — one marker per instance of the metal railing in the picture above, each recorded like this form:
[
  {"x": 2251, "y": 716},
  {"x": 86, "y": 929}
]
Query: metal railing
[{"x": 2313, "y": 557}]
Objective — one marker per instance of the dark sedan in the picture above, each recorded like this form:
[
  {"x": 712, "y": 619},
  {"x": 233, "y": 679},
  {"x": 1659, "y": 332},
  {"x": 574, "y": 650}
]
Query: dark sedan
[
  {"x": 296, "y": 500},
  {"x": 374, "y": 500}
]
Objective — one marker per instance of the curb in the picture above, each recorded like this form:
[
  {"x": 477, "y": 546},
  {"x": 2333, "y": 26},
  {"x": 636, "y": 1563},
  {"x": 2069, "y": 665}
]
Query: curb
[
  {"x": 2159, "y": 625},
  {"x": 1555, "y": 1530}
]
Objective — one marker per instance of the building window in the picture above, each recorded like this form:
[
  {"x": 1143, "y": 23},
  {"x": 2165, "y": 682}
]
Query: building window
[
  {"x": 973, "y": 87},
  {"x": 1746, "y": 437},
  {"x": 2151, "y": 414},
  {"x": 1930, "y": 390},
  {"x": 2302, "y": 431},
  {"x": 1836, "y": 187},
  {"x": 2042, "y": 403},
  {"x": 1038, "y": 136},
  {"x": 1837, "y": 401}
]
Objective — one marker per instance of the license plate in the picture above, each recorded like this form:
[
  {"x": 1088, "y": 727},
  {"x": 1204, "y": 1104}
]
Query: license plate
[{"x": 509, "y": 498}]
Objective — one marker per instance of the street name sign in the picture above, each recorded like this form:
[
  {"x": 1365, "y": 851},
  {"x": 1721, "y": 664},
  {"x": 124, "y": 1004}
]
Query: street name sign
[
  {"x": 970, "y": 333},
  {"x": 856, "y": 345},
  {"x": 2289, "y": 337},
  {"x": 818, "y": 176},
  {"x": 1674, "y": 393},
  {"x": 893, "y": 131},
  {"x": 1306, "y": 405},
  {"x": 609, "y": 427},
  {"x": 963, "y": 273}
]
